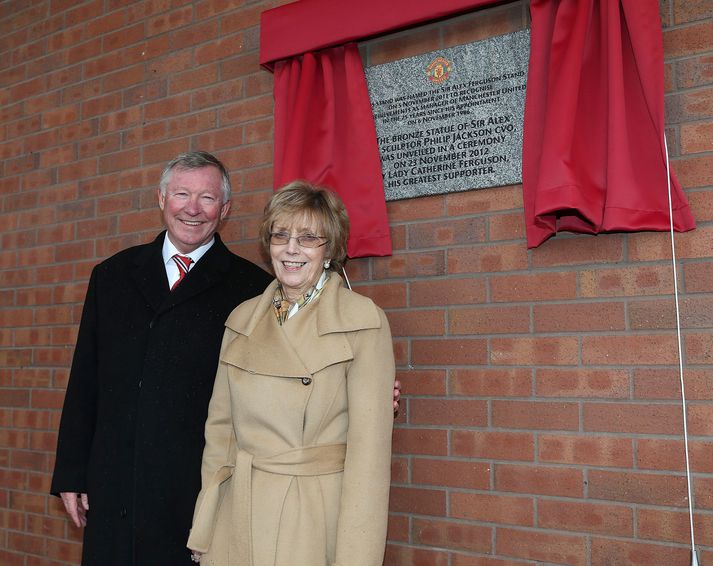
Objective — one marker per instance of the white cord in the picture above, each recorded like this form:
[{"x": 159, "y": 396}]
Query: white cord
[
  {"x": 344, "y": 271},
  {"x": 680, "y": 357}
]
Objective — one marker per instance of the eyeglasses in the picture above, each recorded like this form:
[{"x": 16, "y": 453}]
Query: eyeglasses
[{"x": 304, "y": 241}]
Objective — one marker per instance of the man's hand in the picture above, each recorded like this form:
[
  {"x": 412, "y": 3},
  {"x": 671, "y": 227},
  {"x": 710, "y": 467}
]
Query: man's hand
[
  {"x": 397, "y": 396},
  {"x": 77, "y": 505}
]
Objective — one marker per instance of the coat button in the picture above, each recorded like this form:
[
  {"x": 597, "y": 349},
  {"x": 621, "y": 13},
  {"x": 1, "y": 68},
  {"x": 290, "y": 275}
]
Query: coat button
[
  {"x": 306, "y": 380},
  {"x": 122, "y": 513}
]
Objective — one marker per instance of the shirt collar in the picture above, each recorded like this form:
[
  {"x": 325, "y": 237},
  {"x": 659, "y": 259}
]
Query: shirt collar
[{"x": 169, "y": 250}]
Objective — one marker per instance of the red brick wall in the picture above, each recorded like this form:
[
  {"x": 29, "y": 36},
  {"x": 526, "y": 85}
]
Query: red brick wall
[{"x": 541, "y": 420}]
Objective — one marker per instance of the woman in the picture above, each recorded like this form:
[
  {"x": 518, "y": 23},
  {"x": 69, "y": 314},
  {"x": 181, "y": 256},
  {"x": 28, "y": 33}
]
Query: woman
[{"x": 296, "y": 466}]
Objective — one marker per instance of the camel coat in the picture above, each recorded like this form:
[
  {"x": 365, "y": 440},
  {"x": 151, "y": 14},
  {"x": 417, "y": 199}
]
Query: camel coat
[{"x": 296, "y": 467}]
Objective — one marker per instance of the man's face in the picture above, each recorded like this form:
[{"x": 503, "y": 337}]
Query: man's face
[{"x": 193, "y": 207}]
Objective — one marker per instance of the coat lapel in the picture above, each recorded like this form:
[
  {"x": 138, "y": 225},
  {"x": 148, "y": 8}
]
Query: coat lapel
[
  {"x": 149, "y": 274},
  {"x": 209, "y": 270},
  {"x": 311, "y": 341}
]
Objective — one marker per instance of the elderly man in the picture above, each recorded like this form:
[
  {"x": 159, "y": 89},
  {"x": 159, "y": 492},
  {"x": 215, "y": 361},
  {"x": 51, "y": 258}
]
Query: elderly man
[{"x": 131, "y": 434}]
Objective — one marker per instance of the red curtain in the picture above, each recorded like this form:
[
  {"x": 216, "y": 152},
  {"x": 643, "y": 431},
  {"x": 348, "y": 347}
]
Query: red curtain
[
  {"x": 325, "y": 133},
  {"x": 593, "y": 155}
]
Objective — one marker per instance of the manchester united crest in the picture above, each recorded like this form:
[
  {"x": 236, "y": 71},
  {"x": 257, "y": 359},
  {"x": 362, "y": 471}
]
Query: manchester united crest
[{"x": 439, "y": 70}]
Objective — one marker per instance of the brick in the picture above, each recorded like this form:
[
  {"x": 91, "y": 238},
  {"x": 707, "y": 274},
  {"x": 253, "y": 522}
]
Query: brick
[
  {"x": 661, "y": 525},
  {"x": 651, "y": 349},
  {"x": 221, "y": 48},
  {"x": 629, "y": 281},
  {"x": 688, "y": 40},
  {"x": 702, "y": 492},
  {"x": 449, "y": 352},
  {"x": 417, "y": 500},
  {"x": 26, "y": 543},
  {"x": 172, "y": 20},
  {"x": 422, "y": 382},
  {"x": 192, "y": 79},
  {"x": 420, "y": 441},
  {"x": 613, "y": 551},
  {"x": 100, "y": 145},
  {"x": 245, "y": 110},
  {"x": 46, "y": 526},
  {"x": 447, "y": 292},
  {"x": 417, "y": 323},
  {"x": 535, "y": 415},
  {"x": 635, "y": 487},
  {"x": 697, "y": 348},
  {"x": 578, "y": 317},
  {"x": 487, "y": 258},
  {"x": 604, "y": 451},
  {"x": 694, "y": 72},
  {"x": 654, "y": 383},
  {"x": 490, "y": 508},
  {"x": 446, "y": 233},
  {"x": 539, "y": 480},
  {"x": 489, "y": 382},
  {"x": 489, "y": 320},
  {"x": 493, "y": 445},
  {"x": 578, "y": 383},
  {"x": 701, "y": 202},
  {"x": 534, "y": 351},
  {"x": 643, "y": 418},
  {"x": 696, "y": 138},
  {"x": 451, "y": 473},
  {"x": 698, "y": 413},
  {"x": 494, "y": 199},
  {"x": 545, "y": 547},
  {"x": 64, "y": 551},
  {"x": 398, "y": 528},
  {"x": 406, "y": 556},
  {"x": 688, "y": 106},
  {"x": 410, "y": 265},
  {"x": 506, "y": 227},
  {"x": 662, "y": 454},
  {"x": 249, "y": 156},
  {"x": 416, "y": 209},
  {"x": 585, "y": 517},
  {"x": 534, "y": 287},
  {"x": 164, "y": 151},
  {"x": 451, "y": 534},
  {"x": 387, "y": 296},
  {"x": 239, "y": 66},
  {"x": 260, "y": 131},
  {"x": 450, "y": 412}
]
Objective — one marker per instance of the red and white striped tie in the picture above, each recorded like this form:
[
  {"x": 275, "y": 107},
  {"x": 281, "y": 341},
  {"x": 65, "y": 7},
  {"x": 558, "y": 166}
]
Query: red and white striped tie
[{"x": 183, "y": 263}]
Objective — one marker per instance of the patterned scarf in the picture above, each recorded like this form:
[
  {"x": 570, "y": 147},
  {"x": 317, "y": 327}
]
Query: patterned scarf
[{"x": 284, "y": 309}]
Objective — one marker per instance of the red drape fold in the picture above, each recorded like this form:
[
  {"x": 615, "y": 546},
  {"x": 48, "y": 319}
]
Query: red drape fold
[
  {"x": 593, "y": 154},
  {"x": 325, "y": 134}
]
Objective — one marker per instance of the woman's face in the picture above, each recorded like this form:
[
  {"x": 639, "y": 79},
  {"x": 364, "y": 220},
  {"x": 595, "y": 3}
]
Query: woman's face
[{"x": 297, "y": 268}]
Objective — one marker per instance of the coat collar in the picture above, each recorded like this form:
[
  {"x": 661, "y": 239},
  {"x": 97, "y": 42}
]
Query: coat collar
[
  {"x": 338, "y": 310},
  {"x": 311, "y": 341},
  {"x": 149, "y": 273}
]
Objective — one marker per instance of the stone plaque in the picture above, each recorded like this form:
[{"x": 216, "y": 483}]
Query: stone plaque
[{"x": 451, "y": 120}]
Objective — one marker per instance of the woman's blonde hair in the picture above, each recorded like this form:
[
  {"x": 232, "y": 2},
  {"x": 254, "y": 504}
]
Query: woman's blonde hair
[{"x": 302, "y": 198}]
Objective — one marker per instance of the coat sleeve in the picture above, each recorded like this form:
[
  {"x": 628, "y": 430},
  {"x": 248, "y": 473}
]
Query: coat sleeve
[
  {"x": 76, "y": 429},
  {"x": 363, "y": 511},
  {"x": 218, "y": 456}
]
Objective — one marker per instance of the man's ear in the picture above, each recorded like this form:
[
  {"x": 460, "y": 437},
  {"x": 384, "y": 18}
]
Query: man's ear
[
  {"x": 161, "y": 199},
  {"x": 224, "y": 209}
]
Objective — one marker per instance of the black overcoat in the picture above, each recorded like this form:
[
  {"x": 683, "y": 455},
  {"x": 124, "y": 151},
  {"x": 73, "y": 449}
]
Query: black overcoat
[{"x": 131, "y": 434}]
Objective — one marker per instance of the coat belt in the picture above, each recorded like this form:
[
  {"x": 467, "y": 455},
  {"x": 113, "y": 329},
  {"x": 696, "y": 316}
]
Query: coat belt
[{"x": 307, "y": 461}]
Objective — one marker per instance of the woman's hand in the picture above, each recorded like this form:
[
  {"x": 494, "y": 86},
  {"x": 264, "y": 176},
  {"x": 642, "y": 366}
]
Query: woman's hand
[
  {"x": 397, "y": 396},
  {"x": 196, "y": 556}
]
